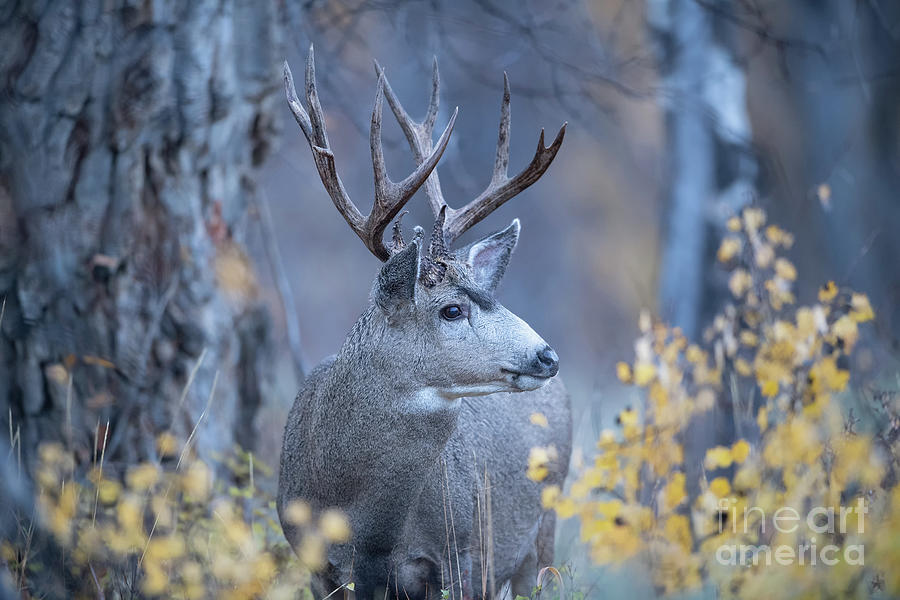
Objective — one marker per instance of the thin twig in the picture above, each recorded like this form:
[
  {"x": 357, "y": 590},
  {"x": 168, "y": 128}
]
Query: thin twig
[
  {"x": 100, "y": 475},
  {"x": 187, "y": 386},
  {"x": 187, "y": 444},
  {"x": 153, "y": 326},
  {"x": 481, "y": 549},
  {"x": 282, "y": 284},
  {"x": 447, "y": 535},
  {"x": 100, "y": 594},
  {"x": 69, "y": 412},
  {"x": 453, "y": 530},
  {"x": 184, "y": 450},
  {"x": 15, "y": 442},
  {"x": 490, "y": 532}
]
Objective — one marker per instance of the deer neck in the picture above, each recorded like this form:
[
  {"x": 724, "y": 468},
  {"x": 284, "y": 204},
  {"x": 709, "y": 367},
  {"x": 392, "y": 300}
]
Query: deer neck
[{"x": 388, "y": 430}]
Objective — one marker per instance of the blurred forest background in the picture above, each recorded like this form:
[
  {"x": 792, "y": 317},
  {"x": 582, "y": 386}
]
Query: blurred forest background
[
  {"x": 680, "y": 113},
  {"x": 161, "y": 219}
]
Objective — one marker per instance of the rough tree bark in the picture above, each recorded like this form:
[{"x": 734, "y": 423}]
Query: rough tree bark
[{"x": 128, "y": 136}]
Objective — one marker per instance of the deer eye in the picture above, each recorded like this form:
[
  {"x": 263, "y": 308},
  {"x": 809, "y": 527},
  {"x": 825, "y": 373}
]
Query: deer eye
[{"x": 451, "y": 312}]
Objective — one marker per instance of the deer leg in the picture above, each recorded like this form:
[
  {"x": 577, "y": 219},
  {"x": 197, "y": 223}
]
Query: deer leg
[
  {"x": 538, "y": 556},
  {"x": 522, "y": 583}
]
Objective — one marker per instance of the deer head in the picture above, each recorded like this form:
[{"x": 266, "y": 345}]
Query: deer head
[{"x": 442, "y": 323}]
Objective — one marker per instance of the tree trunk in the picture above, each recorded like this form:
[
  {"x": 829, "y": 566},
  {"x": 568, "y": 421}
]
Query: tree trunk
[
  {"x": 713, "y": 174},
  {"x": 128, "y": 138},
  {"x": 711, "y": 163}
]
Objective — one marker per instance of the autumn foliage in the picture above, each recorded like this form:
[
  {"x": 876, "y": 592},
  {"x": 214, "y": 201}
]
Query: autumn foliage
[
  {"x": 799, "y": 499},
  {"x": 800, "y": 474},
  {"x": 179, "y": 528}
]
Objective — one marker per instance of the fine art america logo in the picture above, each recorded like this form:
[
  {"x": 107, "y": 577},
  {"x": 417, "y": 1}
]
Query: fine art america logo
[{"x": 821, "y": 520}]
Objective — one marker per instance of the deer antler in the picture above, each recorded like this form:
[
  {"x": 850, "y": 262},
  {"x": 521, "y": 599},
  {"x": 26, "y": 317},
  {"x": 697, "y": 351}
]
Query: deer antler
[
  {"x": 499, "y": 190},
  {"x": 390, "y": 196}
]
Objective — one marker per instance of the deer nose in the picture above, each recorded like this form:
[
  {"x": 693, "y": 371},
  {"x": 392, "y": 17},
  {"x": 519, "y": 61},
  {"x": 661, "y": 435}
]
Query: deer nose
[{"x": 549, "y": 360}]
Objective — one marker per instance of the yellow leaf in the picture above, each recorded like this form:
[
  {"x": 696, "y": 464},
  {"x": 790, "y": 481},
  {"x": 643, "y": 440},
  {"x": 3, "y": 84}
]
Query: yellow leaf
[
  {"x": 845, "y": 328},
  {"x": 658, "y": 395},
  {"x": 739, "y": 282},
  {"x": 623, "y": 372},
  {"x": 644, "y": 373},
  {"x": 740, "y": 451},
  {"x": 769, "y": 388},
  {"x": 129, "y": 514},
  {"x": 728, "y": 249},
  {"x": 166, "y": 547},
  {"x": 312, "y": 551},
  {"x": 109, "y": 491},
  {"x": 765, "y": 254},
  {"x": 674, "y": 492},
  {"x": 720, "y": 456},
  {"x": 823, "y": 192},
  {"x": 565, "y": 508},
  {"x": 155, "y": 579},
  {"x": 549, "y": 496},
  {"x": 694, "y": 354},
  {"x": 628, "y": 417},
  {"x": 166, "y": 444},
  {"x": 785, "y": 270},
  {"x": 754, "y": 218},
  {"x": 197, "y": 480},
  {"x": 297, "y": 512},
  {"x": 827, "y": 292},
  {"x": 747, "y": 478},
  {"x": 762, "y": 418},
  {"x": 678, "y": 530},
  {"x": 720, "y": 487},
  {"x": 861, "y": 309},
  {"x": 827, "y": 371},
  {"x": 748, "y": 338},
  {"x": 806, "y": 322},
  {"x": 142, "y": 477},
  {"x": 779, "y": 237},
  {"x": 734, "y": 224},
  {"x": 538, "y": 458},
  {"x": 538, "y": 419},
  {"x": 706, "y": 399},
  {"x": 334, "y": 526}
]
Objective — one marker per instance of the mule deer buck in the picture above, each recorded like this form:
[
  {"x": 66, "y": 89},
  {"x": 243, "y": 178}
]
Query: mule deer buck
[{"x": 419, "y": 427}]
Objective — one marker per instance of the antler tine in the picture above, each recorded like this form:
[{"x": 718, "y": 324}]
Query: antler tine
[
  {"x": 434, "y": 101},
  {"x": 502, "y": 187},
  {"x": 300, "y": 115},
  {"x": 419, "y": 134},
  {"x": 382, "y": 181},
  {"x": 312, "y": 124},
  {"x": 317, "y": 116},
  {"x": 390, "y": 197},
  {"x": 501, "y": 160}
]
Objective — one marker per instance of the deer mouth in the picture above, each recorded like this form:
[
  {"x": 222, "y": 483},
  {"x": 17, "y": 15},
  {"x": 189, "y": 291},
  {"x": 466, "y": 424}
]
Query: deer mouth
[{"x": 525, "y": 381}]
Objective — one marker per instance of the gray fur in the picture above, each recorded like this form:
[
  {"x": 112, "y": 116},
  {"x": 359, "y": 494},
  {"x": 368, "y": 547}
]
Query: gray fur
[{"x": 402, "y": 428}]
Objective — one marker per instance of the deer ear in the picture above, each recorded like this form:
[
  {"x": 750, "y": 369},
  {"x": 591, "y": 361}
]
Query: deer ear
[
  {"x": 396, "y": 284},
  {"x": 488, "y": 258}
]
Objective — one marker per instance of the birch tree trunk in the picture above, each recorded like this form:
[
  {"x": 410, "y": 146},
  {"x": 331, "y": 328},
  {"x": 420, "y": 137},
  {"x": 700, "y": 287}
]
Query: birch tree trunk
[
  {"x": 711, "y": 166},
  {"x": 712, "y": 174},
  {"x": 128, "y": 137}
]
